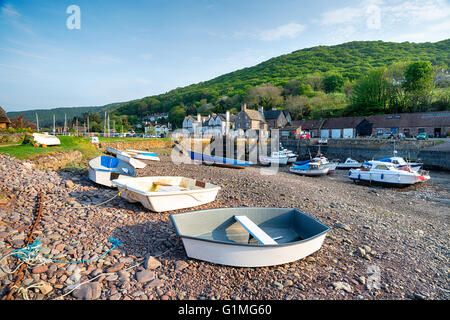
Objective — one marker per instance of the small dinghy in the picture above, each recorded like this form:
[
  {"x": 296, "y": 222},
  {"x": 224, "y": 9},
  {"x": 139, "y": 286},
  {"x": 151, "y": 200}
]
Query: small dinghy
[
  {"x": 249, "y": 237},
  {"x": 103, "y": 169},
  {"x": 161, "y": 194},
  {"x": 128, "y": 158},
  {"x": 309, "y": 168},
  {"x": 349, "y": 164},
  {"x": 46, "y": 139},
  {"x": 325, "y": 163},
  {"x": 275, "y": 158},
  {"x": 387, "y": 173},
  {"x": 143, "y": 155}
]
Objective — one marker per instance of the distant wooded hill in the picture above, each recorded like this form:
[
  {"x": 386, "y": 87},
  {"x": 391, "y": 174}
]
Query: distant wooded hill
[{"x": 46, "y": 115}]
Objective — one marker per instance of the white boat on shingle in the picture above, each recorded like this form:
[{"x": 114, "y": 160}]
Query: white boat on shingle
[
  {"x": 249, "y": 237},
  {"x": 161, "y": 194}
]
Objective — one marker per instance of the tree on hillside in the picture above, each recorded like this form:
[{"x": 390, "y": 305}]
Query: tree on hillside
[
  {"x": 419, "y": 83},
  {"x": 333, "y": 83},
  {"x": 371, "y": 92},
  {"x": 315, "y": 81},
  {"x": 266, "y": 96},
  {"x": 176, "y": 116},
  {"x": 298, "y": 106}
]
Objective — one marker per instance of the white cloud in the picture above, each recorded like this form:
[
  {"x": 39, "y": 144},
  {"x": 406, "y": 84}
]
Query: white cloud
[
  {"x": 290, "y": 30},
  {"x": 9, "y": 11}
]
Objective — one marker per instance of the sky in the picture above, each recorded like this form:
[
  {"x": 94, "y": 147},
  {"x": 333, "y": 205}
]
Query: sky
[{"x": 115, "y": 51}]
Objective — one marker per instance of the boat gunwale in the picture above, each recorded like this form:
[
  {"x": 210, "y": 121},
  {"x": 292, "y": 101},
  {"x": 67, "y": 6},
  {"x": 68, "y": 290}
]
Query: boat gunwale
[
  {"x": 170, "y": 193},
  {"x": 259, "y": 246}
]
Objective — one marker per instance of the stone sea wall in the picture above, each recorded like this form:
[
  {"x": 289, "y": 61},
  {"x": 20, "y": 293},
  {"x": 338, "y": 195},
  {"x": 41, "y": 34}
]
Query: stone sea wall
[
  {"x": 137, "y": 145},
  {"x": 362, "y": 150},
  {"x": 58, "y": 160}
]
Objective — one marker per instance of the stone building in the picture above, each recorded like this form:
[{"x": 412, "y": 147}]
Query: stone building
[{"x": 4, "y": 120}]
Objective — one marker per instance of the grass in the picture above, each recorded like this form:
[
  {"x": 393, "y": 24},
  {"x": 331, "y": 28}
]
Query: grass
[
  {"x": 27, "y": 151},
  {"x": 82, "y": 144},
  {"x": 127, "y": 139}
]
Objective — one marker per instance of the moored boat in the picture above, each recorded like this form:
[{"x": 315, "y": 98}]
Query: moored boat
[
  {"x": 402, "y": 164},
  {"x": 310, "y": 168},
  {"x": 217, "y": 160},
  {"x": 349, "y": 164},
  {"x": 128, "y": 158},
  {"x": 249, "y": 237},
  {"x": 46, "y": 139},
  {"x": 143, "y": 155},
  {"x": 387, "y": 173},
  {"x": 103, "y": 169},
  {"x": 161, "y": 194},
  {"x": 275, "y": 158}
]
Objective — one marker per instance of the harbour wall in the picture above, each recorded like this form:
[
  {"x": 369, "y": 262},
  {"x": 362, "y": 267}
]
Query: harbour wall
[{"x": 362, "y": 150}]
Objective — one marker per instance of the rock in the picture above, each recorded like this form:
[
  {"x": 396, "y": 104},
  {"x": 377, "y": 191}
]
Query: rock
[
  {"x": 115, "y": 268},
  {"x": 151, "y": 263},
  {"x": 69, "y": 184},
  {"x": 278, "y": 285},
  {"x": 88, "y": 291},
  {"x": 112, "y": 277},
  {"x": 362, "y": 252},
  {"x": 180, "y": 265},
  {"x": 343, "y": 226},
  {"x": 39, "y": 269},
  {"x": 362, "y": 280},
  {"x": 342, "y": 286},
  {"x": 45, "y": 288},
  {"x": 155, "y": 284},
  {"x": 145, "y": 276},
  {"x": 288, "y": 283},
  {"x": 310, "y": 259}
]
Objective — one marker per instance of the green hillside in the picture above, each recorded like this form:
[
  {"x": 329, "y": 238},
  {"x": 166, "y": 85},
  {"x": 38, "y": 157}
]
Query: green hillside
[{"x": 351, "y": 60}]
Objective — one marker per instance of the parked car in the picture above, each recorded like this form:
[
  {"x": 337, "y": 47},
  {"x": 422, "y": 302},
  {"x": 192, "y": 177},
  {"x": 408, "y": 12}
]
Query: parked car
[
  {"x": 323, "y": 141},
  {"x": 422, "y": 136},
  {"x": 305, "y": 135}
]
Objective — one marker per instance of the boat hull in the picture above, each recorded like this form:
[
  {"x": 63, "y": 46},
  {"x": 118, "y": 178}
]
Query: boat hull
[
  {"x": 104, "y": 175},
  {"x": 48, "y": 140},
  {"x": 311, "y": 173},
  {"x": 131, "y": 191},
  {"x": 250, "y": 257},
  {"x": 201, "y": 158},
  {"x": 282, "y": 161},
  {"x": 387, "y": 178},
  {"x": 215, "y": 236}
]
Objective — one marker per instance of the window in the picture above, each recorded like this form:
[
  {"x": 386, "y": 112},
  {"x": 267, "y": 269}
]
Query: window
[{"x": 381, "y": 167}]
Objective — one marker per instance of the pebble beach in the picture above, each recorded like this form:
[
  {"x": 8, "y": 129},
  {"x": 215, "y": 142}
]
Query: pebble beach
[{"x": 384, "y": 243}]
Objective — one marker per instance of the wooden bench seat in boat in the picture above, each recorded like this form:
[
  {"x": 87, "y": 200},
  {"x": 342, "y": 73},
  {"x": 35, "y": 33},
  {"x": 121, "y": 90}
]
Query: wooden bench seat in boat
[{"x": 255, "y": 231}]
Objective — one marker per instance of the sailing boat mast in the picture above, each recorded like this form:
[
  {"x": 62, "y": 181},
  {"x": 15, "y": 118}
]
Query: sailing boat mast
[{"x": 37, "y": 122}]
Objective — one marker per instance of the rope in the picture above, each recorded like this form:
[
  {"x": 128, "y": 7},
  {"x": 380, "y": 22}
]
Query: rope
[
  {"x": 98, "y": 204},
  {"x": 30, "y": 256}
]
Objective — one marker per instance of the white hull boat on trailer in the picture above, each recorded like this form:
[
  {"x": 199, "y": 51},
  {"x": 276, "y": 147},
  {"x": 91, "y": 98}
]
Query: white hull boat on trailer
[
  {"x": 349, "y": 164},
  {"x": 274, "y": 158},
  {"x": 161, "y": 194},
  {"x": 387, "y": 173},
  {"x": 128, "y": 158},
  {"x": 46, "y": 139},
  {"x": 312, "y": 169},
  {"x": 103, "y": 169},
  {"x": 249, "y": 237},
  {"x": 143, "y": 155}
]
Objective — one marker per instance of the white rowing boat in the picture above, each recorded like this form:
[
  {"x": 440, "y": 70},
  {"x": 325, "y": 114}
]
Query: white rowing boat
[
  {"x": 103, "y": 169},
  {"x": 161, "y": 194},
  {"x": 128, "y": 158},
  {"x": 46, "y": 139}
]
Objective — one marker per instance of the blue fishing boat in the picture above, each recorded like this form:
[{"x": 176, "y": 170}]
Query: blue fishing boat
[
  {"x": 219, "y": 161},
  {"x": 310, "y": 169}
]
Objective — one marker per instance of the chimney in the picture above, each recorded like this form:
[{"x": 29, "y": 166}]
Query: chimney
[
  {"x": 244, "y": 107},
  {"x": 261, "y": 110}
]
